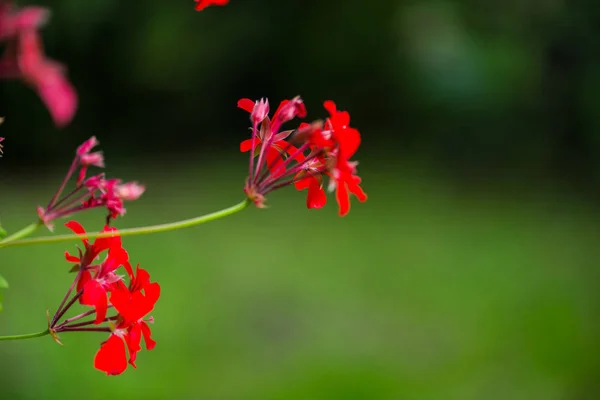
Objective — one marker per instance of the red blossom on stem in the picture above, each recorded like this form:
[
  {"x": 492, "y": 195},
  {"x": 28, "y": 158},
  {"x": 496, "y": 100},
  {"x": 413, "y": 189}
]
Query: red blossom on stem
[
  {"x": 302, "y": 157},
  {"x": 24, "y": 59},
  {"x": 202, "y": 4},
  {"x": 98, "y": 285},
  {"x": 93, "y": 192}
]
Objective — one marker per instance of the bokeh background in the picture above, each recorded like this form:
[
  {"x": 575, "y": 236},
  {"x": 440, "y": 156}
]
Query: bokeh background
[{"x": 471, "y": 273}]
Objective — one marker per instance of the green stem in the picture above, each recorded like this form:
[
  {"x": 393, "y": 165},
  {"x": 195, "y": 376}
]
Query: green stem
[
  {"x": 28, "y": 230},
  {"x": 134, "y": 231},
  {"x": 26, "y": 336}
]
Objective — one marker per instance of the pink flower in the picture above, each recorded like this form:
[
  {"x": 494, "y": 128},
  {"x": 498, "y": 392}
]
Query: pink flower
[
  {"x": 24, "y": 59},
  {"x": 93, "y": 192}
]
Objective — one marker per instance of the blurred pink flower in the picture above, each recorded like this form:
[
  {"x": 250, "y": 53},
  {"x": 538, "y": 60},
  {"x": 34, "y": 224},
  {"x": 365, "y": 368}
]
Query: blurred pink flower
[{"x": 24, "y": 59}]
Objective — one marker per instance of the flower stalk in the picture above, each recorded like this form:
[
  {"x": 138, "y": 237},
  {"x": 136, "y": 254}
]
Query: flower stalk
[{"x": 145, "y": 230}]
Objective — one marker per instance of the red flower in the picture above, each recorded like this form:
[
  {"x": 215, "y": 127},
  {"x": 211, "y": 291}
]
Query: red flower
[
  {"x": 92, "y": 250},
  {"x": 277, "y": 147},
  {"x": 98, "y": 286},
  {"x": 344, "y": 172},
  {"x": 133, "y": 304},
  {"x": 95, "y": 281},
  {"x": 92, "y": 192},
  {"x": 24, "y": 58},
  {"x": 202, "y": 4},
  {"x": 330, "y": 145},
  {"x": 311, "y": 178}
]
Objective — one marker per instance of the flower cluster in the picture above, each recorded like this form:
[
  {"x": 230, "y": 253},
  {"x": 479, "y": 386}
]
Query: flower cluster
[
  {"x": 202, "y": 4},
  {"x": 24, "y": 59},
  {"x": 98, "y": 285},
  {"x": 302, "y": 157},
  {"x": 119, "y": 298},
  {"x": 93, "y": 192}
]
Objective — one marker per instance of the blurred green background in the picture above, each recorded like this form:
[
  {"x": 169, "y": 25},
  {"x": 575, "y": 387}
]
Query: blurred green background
[{"x": 471, "y": 272}]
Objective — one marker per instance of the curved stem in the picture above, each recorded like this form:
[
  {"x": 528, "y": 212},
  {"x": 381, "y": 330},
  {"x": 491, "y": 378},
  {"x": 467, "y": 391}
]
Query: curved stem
[
  {"x": 133, "y": 231},
  {"x": 26, "y": 336},
  {"x": 28, "y": 230}
]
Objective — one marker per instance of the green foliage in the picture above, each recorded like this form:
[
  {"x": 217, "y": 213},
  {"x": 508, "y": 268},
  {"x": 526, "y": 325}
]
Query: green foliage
[{"x": 3, "y": 285}]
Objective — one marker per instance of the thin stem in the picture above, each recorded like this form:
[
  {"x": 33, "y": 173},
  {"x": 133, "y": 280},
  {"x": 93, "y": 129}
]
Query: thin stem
[
  {"x": 77, "y": 317},
  {"x": 253, "y": 149},
  {"x": 271, "y": 184},
  {"x": 67, "y": 329},
  {"x": 26, "y": 336},
  {"x": 64, "y": 300},
  {"x": 62, "y": 312},
  {"x": 134, "y": 231},
  {"x": 61, "y": 202},
  {"x": 84, "y": 323},
  {"x": 72, "y": 169},
  {"x": 285, "y": 162},
  {"x": 28, "y": 230}
]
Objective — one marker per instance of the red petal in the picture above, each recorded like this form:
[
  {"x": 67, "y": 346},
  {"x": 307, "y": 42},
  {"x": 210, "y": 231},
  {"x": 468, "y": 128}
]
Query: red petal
[
  {"x": 341, "y": 195},
  {"x": 202, "y": 4},
  {"x": 134, "y": 306},
  {"x": 246, "y": 145},
  {"x": 110, "y": 242},
  {"x": 47, "y": 77},
  {"x": 355, "y": 189},
  {"x": 150, "y": 344},
  {"x": 283, "y": 103},
  {"x": 116, "y": 257},
  {"x": 31, "y": 17},
  {"x": 246, "y": 105},
  {"x": 141, "y": 280},
  {"x": 95, "y": 295},
  {"x": 78, "y": 229},
  {"x": 330, "y": 107},
  {"x": 58, "y": 95},
  {"x": 349, "y": 140},
  {"x": 111, "y": 357},
  {"x": 71, "y": 258},
  {"x": 316, "y": 197},
  {"x": 119, "y": 298},
  {"x": 303, "y": 183},
  {"x": 86, "y": 276},
  {"x": 133, "y": 342},
  {"x": 299, "y": 157},
  {"x": 274, "y": 159}
]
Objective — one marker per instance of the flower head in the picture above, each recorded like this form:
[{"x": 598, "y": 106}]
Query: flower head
[
  {"x": 302, "y": 157},
  {"x": 24, "y": 58},
  {"x": 100, "y": 286},
  {"x": 93, "y": 192},
  {"x": 133, "y": 304},
  {"x": 202, "y": 4}
]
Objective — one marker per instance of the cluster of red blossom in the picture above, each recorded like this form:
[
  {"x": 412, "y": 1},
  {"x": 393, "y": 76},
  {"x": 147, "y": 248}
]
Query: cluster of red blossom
[
  {"x": 93, "y": 192},
  {"x": 303, "y": 156},
  {"x": 98, "y": 285},
  {"x": 24, "y": 59}
]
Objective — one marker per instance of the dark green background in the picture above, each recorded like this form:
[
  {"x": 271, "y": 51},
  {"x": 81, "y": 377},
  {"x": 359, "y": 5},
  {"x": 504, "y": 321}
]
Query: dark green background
[{"x": 471, "y": 272}]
